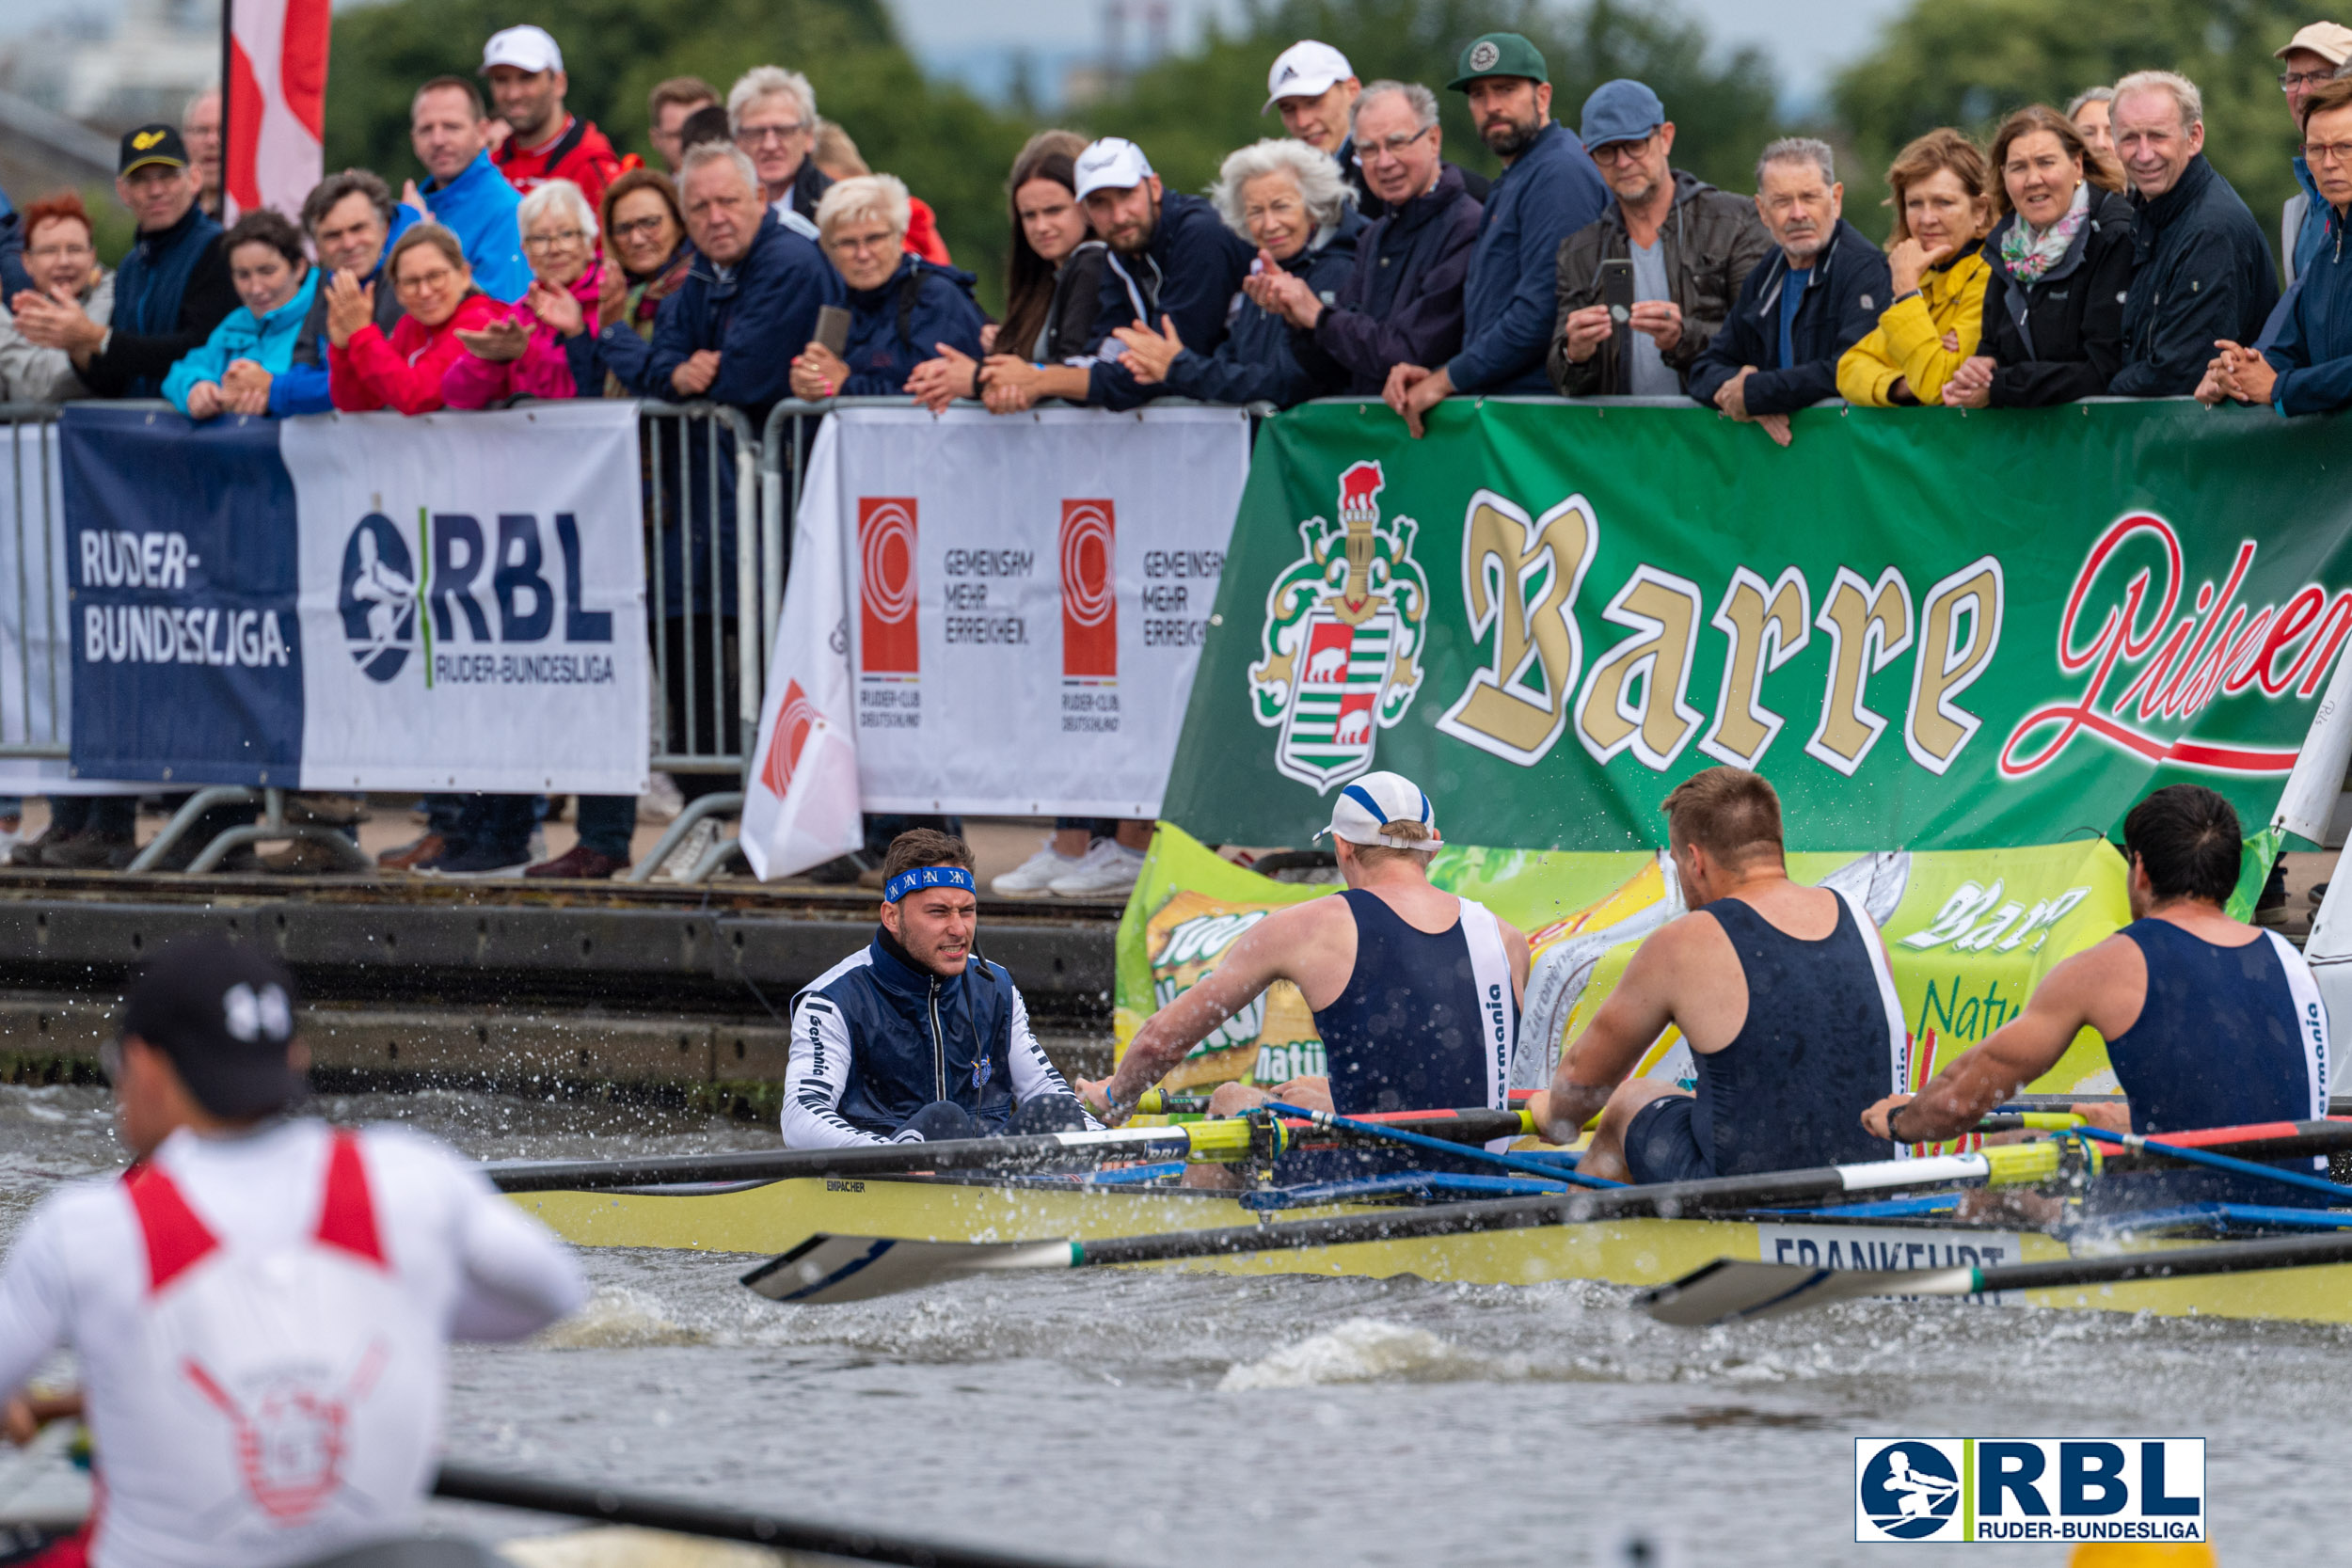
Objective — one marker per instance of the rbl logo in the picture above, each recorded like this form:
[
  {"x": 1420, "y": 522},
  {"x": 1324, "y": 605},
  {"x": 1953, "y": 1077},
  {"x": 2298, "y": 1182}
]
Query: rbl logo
[
  {"x": 480, "y": 585},
  {"x": 2006, "y": 1489},
  {"x": 888, "y": 642},
  {"x": 1089, "y": 596}
]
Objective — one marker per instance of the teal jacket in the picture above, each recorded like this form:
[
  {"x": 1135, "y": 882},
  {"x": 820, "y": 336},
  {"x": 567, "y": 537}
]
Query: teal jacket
[{"x": 269, "y": 342}]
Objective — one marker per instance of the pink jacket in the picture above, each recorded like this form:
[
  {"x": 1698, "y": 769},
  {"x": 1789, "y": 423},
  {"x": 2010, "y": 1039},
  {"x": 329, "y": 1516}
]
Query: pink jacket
[{"x": 542, "y": 371}]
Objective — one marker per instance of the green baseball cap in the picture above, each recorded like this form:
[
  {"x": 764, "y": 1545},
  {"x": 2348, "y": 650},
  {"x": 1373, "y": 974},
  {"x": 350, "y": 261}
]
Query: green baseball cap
[{"x": 1500, "y": 54}]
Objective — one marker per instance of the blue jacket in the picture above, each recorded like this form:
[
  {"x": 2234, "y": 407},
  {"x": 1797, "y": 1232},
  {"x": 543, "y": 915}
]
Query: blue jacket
[
  {"x": 1508, "y": 300},
  {"x": 2307, "y": 215},
  {"x": 894, "y": 328},
  {"x": 1188, "y": 273},
  {"x": 479, "y": 207},
  {"x": 267, "y": 340},
  {"x": 876, "y": 1039},
  {"x": 2202, "y": 273},
  {"x": 172, "y": 290},
  {"x": 2313, "y": 351},
  {"x": 1851, "y": 286},
  {"x": 1402, "y": 303},
  {"x": 761, "y": 313},
  {"x": 14, "y": 280},
  {"x": 301, "y": 386},
  {"x": 1254, "y": 363}
]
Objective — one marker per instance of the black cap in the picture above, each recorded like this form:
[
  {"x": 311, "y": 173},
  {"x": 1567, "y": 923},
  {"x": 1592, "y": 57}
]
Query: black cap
[
  {"x": 151, "y": 144},
  {"x": 224, "y": 1014}
]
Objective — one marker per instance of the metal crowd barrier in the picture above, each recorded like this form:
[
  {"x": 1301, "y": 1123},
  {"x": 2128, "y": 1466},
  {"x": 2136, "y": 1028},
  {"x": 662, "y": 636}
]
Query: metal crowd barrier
[{"x": 35, "y": 623}]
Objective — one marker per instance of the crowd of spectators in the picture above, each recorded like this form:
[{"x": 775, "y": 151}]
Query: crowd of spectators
[{"x": 2087, "y": 252}]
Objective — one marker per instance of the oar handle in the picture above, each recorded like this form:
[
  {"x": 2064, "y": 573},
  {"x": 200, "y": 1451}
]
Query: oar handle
[{"x": 464, "y": 1483}]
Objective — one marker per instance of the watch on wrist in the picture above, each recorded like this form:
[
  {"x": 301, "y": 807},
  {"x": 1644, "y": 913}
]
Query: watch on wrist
[{"x": 1893, "y": 1134}]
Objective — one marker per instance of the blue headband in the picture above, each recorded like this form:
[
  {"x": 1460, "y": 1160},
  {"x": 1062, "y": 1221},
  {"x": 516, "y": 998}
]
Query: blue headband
[{"x": 927, "y": 876}]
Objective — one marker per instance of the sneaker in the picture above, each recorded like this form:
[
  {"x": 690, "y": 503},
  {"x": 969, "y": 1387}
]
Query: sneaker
[
  {"x": 414, "y": 855},
  {"x": 1035, "y": 876},
  {"x": 483, "y": 860},
  {"x": 1108, "y": 870},
  {"x": 91, "y": 852},
  {"x": 2319, "y": 894},
  {"x": 578, "y": 864},
  {"x": 36, "y": 852},
  {"x": 661, "y": 803},
  {"x": 688, "y": 854},
  {"x": 326, "y": 810},
  {"x": 304, "y": 857}
]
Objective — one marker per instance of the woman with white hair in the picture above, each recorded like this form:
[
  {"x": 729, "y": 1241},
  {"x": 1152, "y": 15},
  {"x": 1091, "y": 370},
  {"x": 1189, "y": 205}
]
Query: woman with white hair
[
  {"x": 903, "y": 309},
  {"x": 521, "y": 352},
  {"x": 1289, "y": 201}
]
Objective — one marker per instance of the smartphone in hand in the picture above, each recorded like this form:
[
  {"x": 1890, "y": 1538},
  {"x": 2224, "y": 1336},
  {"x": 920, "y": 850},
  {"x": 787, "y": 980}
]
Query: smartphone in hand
[{"x": 832, "y": 325}]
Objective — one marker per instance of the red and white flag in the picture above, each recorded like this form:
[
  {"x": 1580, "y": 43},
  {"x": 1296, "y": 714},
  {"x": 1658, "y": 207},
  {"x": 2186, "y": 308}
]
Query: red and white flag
[
  {"x": 275, "y": 110},
  {"x": 801, "y": 807}
]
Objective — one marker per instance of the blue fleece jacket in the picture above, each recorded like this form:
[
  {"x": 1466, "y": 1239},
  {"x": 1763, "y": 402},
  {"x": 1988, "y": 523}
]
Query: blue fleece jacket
[
  {"x": 1255, "y": 363},
  {"x": 941, "y": 311},
  {"x": 2313, "y": 351},
  {"x": 267, "y": 340},
  {"x": 1188, "y": 273},
  {"x": 1510, "y": 297},
  {"x": 478, "y": 208},
  {"x": 1851, "y": 286}
]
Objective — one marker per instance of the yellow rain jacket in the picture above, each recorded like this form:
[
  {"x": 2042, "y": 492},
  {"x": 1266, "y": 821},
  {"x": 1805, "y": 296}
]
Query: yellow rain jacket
[{"x": 1908, "y": 342}]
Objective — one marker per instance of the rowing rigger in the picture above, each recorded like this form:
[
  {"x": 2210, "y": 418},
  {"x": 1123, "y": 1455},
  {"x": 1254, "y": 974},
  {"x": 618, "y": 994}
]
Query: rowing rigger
[{"x": 830, "y": 1267}]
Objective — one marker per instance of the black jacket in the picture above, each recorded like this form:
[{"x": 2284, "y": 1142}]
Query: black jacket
[
  {"x": 1402, "y": 303},
  {"x": 1078, "y": 301},
  {"x": 1849, "y": 287},
  {"x": 2203, "y": 272},
  {"x": 1371, "y": 207},
  {"x": 1188, "y": 273},
  {"x": 2060, "y": 337},
  {"x": 171, "y": 291},
  {"x": 1714, "y": 241}
]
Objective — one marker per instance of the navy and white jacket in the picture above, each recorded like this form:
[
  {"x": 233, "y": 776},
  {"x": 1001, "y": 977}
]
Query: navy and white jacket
[{"x": 875, "y": 1039}]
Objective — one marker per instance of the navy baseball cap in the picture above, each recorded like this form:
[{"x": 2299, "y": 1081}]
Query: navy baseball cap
[
  {"x": 223, "y": 1012},
  {"x": 1622, "y": 110}
]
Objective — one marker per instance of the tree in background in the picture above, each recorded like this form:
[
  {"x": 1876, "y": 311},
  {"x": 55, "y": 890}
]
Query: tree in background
[
  {"x": 1966, "y": 63},
  {"x": 1189, "y": 112},
  {"x": 951, "y": 150}
]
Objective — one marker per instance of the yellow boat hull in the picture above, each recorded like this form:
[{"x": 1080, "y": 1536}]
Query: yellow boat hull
[{"x": 774, "y": 1216}]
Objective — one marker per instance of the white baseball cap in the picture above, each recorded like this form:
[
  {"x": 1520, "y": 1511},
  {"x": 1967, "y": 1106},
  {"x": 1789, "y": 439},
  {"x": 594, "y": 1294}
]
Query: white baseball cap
[
  {"x": 1373, "y": 801},
  {"x": 525, "y": 48},
  {"x": 1113, "y": 164},
  {"x": 1304, "y": 69}
]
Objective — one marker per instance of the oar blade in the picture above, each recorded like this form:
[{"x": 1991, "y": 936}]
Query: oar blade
[
  {"x": 1730, "y": 1291},
  {"x": 826, "y": 1269}
]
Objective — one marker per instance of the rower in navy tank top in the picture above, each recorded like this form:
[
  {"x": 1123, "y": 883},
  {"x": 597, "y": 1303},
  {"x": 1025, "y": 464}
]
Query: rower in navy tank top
[
  {"x": 1781, "y": 991},
  {"x": 1415, "y": 991},
  {"x": 2208, "y": 1022}
]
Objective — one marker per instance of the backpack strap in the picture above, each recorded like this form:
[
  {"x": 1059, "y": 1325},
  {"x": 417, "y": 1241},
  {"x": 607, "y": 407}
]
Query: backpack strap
[{"x": 909, "y": 287}]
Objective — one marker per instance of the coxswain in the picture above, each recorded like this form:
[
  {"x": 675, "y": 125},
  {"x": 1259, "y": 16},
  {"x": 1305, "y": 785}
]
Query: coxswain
[
  {"x": 1781, "y": 991},
  {"x": 2208, "y": 1022},
  {"x": 261, "y": 1305},
  {"x": 915, "y": 1036},
  {"x": 1415, "y": 991}
]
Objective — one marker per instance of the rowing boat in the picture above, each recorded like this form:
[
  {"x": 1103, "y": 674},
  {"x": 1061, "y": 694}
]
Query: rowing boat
[{"x": 983, "y": 1207}]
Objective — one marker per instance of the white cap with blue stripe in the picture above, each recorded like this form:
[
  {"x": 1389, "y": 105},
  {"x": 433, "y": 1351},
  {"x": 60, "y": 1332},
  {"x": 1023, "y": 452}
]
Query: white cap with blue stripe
[{"x": 1373, "y": 801}]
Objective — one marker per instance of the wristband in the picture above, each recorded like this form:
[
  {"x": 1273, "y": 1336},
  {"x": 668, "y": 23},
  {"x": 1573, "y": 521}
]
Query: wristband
[
  {"x": 1892, "y": 1133},
  {"x": 1900, "y": 298}
]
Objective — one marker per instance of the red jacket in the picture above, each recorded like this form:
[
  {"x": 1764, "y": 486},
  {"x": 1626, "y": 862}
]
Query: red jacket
[
  {"x": 923, "y": 236},
  {"x": 542, "y": 371},
  {"x": 405, "y": 370},
  {"x": 579, "y": 152}
]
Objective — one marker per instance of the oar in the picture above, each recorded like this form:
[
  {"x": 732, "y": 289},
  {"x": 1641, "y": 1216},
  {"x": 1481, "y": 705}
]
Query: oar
[
  {"x": 1729, "y": 1291},
  {"x": 828, "y": 1268},
  {"x": 1328, "y": 1121},
  {"x": 1204, "y": 1141},
  {"x": 464, "y": 1483},
  {"x": 2303, "y": 1180}
]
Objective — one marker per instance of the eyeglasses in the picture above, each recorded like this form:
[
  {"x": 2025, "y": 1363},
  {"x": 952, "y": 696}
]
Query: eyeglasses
[
  {"x": 417, "y": 283},
  {"x": 1391, "y": 147},
  {"x": 2295, "y": 79},
  {"x": 860, "y": 244},
  {"x": 548, "y": 241},
  {"x": 54, "y": 252},
  {"x": 1620, "y": 151},
  {"x": 760, "y": 135},
  {"x": 635, "y": 226},
  {"x": 2328, "y": 153}
]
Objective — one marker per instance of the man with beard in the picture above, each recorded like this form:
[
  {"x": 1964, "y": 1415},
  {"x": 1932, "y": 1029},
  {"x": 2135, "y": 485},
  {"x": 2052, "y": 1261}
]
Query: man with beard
[
  {"x": 1174, "y": 269},
  {"x": 1549, "y": 190}
]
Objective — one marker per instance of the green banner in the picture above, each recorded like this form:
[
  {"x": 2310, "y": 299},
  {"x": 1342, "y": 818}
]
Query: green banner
[{"x": 1931, "y": 630}]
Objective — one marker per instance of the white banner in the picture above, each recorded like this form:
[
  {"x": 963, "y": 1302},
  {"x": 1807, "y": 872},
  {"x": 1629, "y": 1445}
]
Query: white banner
[
  {"x": 992, "y": 616},
  {"x": 473, "y": 599}
]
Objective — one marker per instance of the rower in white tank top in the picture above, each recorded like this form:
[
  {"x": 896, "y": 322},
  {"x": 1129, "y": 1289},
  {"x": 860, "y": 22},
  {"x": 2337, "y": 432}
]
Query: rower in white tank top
[{"x": 261, "y": 1306}]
